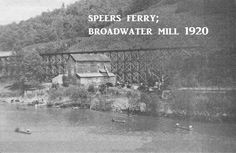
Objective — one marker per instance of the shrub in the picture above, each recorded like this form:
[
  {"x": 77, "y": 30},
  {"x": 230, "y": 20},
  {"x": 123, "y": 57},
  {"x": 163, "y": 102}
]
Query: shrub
[
  {"x": 91, "y": 88},
  {"x": 55, "y": 85},
  {"x": 79, "y": 95},
  {"x": 134, "y": 97},
  {"x": 55, "y": 93},
  {"x": 108, "y": 84},
  {"x": 68, "y": 91},
  {"x": 151, "y": 100},
  {"x": 116, "y": 91},
  {"x": 49, "y": 104},
  {"x": 102, "y": 88}
]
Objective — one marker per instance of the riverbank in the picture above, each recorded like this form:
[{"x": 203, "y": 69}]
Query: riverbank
[
  {"x": 204, "y": 105},
  {"x": 186, "y": 105}
]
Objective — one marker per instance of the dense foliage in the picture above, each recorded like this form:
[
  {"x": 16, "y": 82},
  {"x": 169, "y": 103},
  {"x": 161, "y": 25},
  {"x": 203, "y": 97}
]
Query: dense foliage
[
  {"x": 29, "y": 70},
  {"x": 66, "y": 28},
  {"x": 210, "y": 65},
  {"x": 68, "y": 22},
  {"x": 71, "y": 22}
]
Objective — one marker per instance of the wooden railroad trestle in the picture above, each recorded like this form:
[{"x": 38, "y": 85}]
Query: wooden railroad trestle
[{"x": 133, "y": 65}]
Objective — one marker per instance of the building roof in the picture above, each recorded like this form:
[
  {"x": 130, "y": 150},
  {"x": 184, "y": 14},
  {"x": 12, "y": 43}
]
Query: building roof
[
  {"x": 94, "y": 75},
  {"x": 5, "y": 53},
  {"x": 90, "y": 58}
]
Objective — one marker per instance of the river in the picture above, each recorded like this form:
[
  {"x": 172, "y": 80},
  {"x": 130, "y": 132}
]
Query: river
[{"x": 67, "y": 130}]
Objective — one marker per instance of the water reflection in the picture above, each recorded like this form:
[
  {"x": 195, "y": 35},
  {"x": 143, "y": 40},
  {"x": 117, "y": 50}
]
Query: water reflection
[{"x": 72, "y": 125}]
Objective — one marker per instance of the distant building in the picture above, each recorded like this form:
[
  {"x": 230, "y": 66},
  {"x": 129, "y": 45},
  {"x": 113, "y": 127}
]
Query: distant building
[
  {"x": 95, "y": 78},
  {"x": 58, "y": 79},
  {"x": 90, "y": 69}
]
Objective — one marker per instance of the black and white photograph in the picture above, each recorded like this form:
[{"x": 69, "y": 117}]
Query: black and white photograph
[{"x": 117, "y": 76}]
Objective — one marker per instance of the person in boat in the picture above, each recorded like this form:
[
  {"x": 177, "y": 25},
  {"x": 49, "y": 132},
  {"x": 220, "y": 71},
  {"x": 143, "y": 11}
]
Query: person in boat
[{"x": 190, "y": 127}]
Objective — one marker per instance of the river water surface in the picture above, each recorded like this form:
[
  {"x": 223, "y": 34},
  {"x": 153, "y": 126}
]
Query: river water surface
[{"x": 67, "y": 130}]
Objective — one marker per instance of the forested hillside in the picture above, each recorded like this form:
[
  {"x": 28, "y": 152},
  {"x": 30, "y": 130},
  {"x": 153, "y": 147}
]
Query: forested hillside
[
  {"x": 219, "y": 17},
  {"x": 66, "y": 29},
  {"x": 212, "y": 65},
  {"x": 68, "y": 22}
]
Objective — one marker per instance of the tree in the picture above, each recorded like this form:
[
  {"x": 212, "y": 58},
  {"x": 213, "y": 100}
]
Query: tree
[{"x": 30, "y": 70}]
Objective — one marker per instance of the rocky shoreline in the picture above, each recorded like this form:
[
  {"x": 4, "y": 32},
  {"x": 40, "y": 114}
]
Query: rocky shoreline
[{"x": 131, "y": 101}]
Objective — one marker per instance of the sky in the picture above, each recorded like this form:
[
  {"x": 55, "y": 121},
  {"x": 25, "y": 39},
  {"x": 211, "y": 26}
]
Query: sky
[{"x": 17, "y": 10}]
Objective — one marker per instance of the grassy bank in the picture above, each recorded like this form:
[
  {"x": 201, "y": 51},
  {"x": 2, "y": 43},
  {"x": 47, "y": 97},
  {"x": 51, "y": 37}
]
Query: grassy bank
[
  {"x": 196, "y": 105},
  {"x": 186, "y": 104},
  {"x": 101, "y": 99}
]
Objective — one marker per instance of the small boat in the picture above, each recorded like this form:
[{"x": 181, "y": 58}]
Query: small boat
[
  {"x": 118, "y": 120},
  {"x": 58, "y": 107},
  {"x": 21, "y": 108},
  {"x": 27, "y": 131},
  {"x": 75, "y": 108},
  {"x": 188, "y": 128}
]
